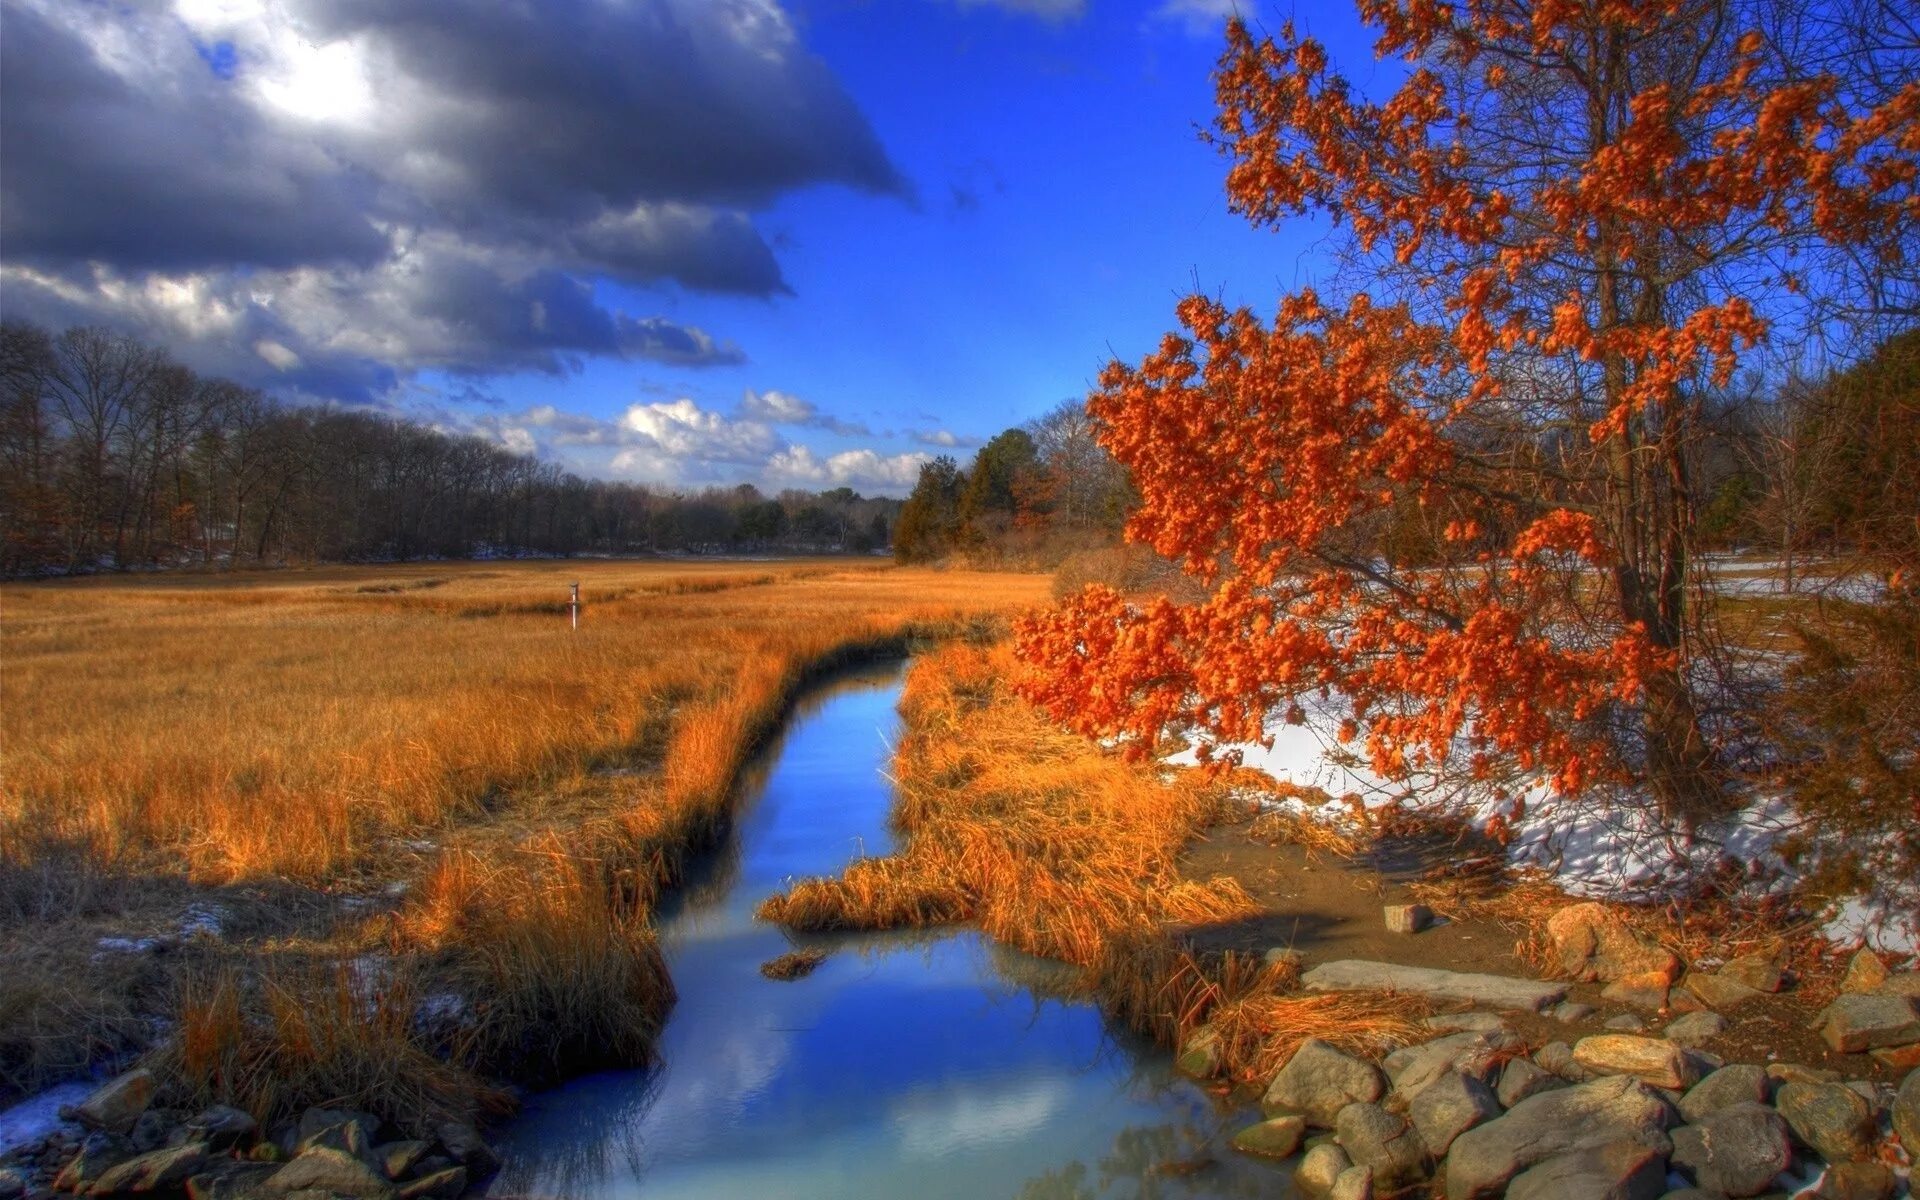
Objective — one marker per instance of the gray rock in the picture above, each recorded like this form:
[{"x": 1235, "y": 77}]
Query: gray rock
[
  {"x": 349, "y": 1137},
  {"x": 1354, "y": 1183},
  {"x": 1568, "y": 1012},
  {"x": 1716, "y": 991},
  {"x": 1449, "y": 1107},
  {"x": 222, "y": 1127},
  {"x": 230, "y": 1179},
  {"x": 465, "y": 1146},
  {"x": 1383, "y": 1142},
  {"x": 337, "y": 1172},
  {"x": 398, "y": 1159},
  {"x": 154, "y": 1171},
  {"x": 1648, "y": 990},
  {"x": 117, "y": 1104},
  {"x": 1320, "y": 1167},
  {"x": 1696, "y": 1029},
  {"x": 1567, "y": 1120},
  {"x": 1624, "y": 1023},
  {"x": 1520, "y": 1078},
  {"x": 1408, "y": 918},
  {"x": 1788, "y": 1072},
  {"x": 1468, "y": 1022},
  {"x": 1865, "y": 972},
  {"x": 1832, "y": 1120},
  {"x": 1284, "y": 956},
  {"x": 1277, "y": 1137},
  {"x": 1854, "y": 1181},
  {"x": 1740, "y": 1083},
  {"x": 1487, "y": 991},
  {"x": 1413, "y": 1068},
  {"x": 1906, "y": 1109},
  {"x": 1737, "y": 1151},
  {"x": 1692, "y": 1193},
  {"x": 441, "y": 1185},
  {"x": 1616, "y": 1171},
  {"x": 1901, "y": 983},
  {"x": 1761, "y": 972},
  {"x": 1557, "y": 1059},
  {"x": 1853, "y": 1023},
  {"x": 151, "y": 1129},
  {"x": 316, "y": 1120},
  {"x": 1200, "y": 1053},
  {"x": 1320, "y": 1080},
  {"x": 1654, "y": 1060},
  {"x": 99, "y": 1152}
]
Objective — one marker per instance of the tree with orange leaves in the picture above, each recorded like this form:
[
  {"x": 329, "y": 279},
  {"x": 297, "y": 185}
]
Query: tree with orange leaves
[{"x": 1457, "y": 502}]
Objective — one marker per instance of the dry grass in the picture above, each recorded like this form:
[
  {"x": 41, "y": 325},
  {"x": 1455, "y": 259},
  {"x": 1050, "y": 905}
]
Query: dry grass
[
  {"x": 795, "y": 964},
  {"x": 285, "y": 737}
]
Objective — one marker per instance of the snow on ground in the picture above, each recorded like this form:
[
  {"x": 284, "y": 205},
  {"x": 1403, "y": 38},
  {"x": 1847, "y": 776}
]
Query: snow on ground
[{"x": 37, "y": 1116}]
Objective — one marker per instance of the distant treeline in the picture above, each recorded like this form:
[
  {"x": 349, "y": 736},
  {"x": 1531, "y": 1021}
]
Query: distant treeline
[{"x": 114, "y": 456}]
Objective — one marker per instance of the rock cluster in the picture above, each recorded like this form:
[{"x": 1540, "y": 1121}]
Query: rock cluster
[{"x": 128, "y": 1147}]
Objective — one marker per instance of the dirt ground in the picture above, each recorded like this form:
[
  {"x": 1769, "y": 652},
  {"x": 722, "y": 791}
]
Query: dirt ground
[{"x": 1329, "y": 909}]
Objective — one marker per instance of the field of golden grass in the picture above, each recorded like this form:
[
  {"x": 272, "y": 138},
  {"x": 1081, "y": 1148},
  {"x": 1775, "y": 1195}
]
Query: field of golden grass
[{"x": 421, "y": 768}]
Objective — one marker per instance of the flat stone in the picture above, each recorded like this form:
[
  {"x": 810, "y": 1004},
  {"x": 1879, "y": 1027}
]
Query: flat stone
[
  {"x": 1354, "y": 1183},
  {"x": 441, "y": 1185},
  {"x": 1413, "y": 1068},
  {"x": 154, "y": 1171},
  {"x": 1278, "y": 1137},
  {"x": 1320, "y": 1167},
  {"x": 1865, "y": 972},
  {"x": 1852, "y": 1024},
  {"x": 1594, "y": 942},
  {"x": 1624, "y": 1023},
  {"x": 118, "y": 1103},
  {"x": 398, "y": 1159},
  {"x": 1616, "y": 1171},
  {"x": 1568, "y": 1120},
  {"x": 1833, "y": 1120},
  {"x": 1853, "y": 1181},
  {"x": 1408, "y": 918},
  {"x": 1383, "y": 1142},
  {"x": 1902, "y": 983},
  {"x": 1467, "y": 1022},
  {"x": 1320, "y": 1080},
  {"x": 230, "y": 1179},
  {"x": 100, "y": 1151},
  {"x": 1737, "y": 1083},
  {"x": 1696, "y": 1029},
  {"x": 222, "y": 1127},
  {"x": 1557, "y": 1059},
  {"x": 1520, "y": 1078},
  {"x": 1717, "y": 992},
  {"x": 1655, "y": 1060},
  {"x": 1791, "y": 1072},
  {"x": 1457, "y": 987},
  {"x": 1644, "y": 989},
  {"x": 1897, "y": 1058},
  {"x": 1681, "y": 1000},
  {"x": 1449, "y": 1107},
  {"x": 1567, "y": 1012},
  {"x": 326, "y": 1169},
  {"x": 1737, "y": 1151},
  {"x": 1761, "y": 972}
]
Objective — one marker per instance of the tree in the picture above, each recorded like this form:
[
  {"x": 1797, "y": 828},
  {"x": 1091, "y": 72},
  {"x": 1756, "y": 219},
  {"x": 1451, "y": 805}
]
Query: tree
[
  {"x": 930, "y": 519},
  {"x": 1576, "y": 217},
  {"x": 1000, "y": 471}
]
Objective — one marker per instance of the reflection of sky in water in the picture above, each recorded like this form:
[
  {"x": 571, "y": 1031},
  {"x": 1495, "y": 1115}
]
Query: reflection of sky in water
[{"x": 907, "y": 1065}]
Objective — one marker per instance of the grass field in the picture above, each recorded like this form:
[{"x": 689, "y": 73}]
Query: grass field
[{"x": 422, "y": 768}]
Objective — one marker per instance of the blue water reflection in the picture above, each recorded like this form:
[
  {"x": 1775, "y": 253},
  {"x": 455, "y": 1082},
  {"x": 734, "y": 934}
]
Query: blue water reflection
[{"x": 906, "y": 1065}]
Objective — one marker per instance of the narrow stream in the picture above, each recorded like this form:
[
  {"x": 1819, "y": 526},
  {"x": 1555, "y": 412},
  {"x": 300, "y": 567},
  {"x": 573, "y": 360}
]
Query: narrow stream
[{"x": 925, "y": 1066}]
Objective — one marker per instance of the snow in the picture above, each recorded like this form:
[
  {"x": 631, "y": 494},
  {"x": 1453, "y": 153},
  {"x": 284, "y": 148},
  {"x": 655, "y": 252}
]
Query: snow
[
  {"x": 37, "y": 1116},
  {"x": 203, "y": 920}
]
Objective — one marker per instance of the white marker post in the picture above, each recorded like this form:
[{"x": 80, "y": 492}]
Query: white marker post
[{"x": 573, "y": 607}]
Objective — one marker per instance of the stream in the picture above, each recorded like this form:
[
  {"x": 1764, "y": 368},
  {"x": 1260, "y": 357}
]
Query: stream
[{"x": 927, "y": 1065}]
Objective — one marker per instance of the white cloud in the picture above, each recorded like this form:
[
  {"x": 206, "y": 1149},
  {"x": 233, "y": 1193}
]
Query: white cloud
[
  {"x": 946, "y": 439},
  {"x": 1046, "y": 10},
  {"x": 784, "y": 408},
  {"x": 863, "y": 468},
  {"x": 1201, "y": 17},
  {"x": 682, "y": 429}
]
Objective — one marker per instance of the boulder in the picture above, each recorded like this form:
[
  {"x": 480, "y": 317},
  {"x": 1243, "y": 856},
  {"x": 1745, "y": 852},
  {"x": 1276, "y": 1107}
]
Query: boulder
[
  {"x": 1200, "y": 1053},
  {"x": 1853, "y": 1181},
  {"x": 336, "y": 1172},
  {"x": 1906, "y": 1110},
  {"x": 230, "y": 1179},
  {"x": 1655, "y": 1060},
  {"x": 100, "y": 1151},
  {"x": 1320, "y": 1167},
  {"x": 441, "y": 1185},
  {"x": 1696, "y": 1029},
  {"x": 1519, "y": 1079},
  {"x": 1865, "y": 972},
  {"x": 1408, "y": 918},
  {"x": 1761, "y": 972},
  {"x": 1449, "y": 1106},
  {"x": 1643, "y": 989},
  {"x": 1738, "y": 1083},
  {"x": 1557, "y": 1058},
  {"x": 1593, "y": 942},
  {"x": 1832, "y": 1120},
  {"x": 1567, "y": 1012},
  {"x": 152, "y": 1129},
  {"x": 398, "y": 1159},
  {"x": 1354, "y": 1183},
  {"x": 1715, "y": 991},
  {"x": 465, "y": 1146},
  {"x": 1897, "y": 1059},
  {"x": 1616, "y": 1171},
  {"x": 1567, "y": 1120},
  {"x": 351, "y": 1136},
  {"x": 115, "y": 1105},
  {"x": 1737, "y": 1151},
  {"x": 1413, "y": 1068},
  {"x": 222, "y": 1127},
  {"x": 1278, "y": 1137},
  {"x": 1320, "y": 1080},
  {"x": 154, "y": 1171},
  {"x": 1384, "y": 1143},
  {"x": 1855, "y": 1023}
]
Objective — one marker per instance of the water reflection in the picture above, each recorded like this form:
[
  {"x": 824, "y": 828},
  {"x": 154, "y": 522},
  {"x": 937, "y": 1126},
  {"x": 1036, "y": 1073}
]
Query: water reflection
[{"x": 924, "y": 1064}]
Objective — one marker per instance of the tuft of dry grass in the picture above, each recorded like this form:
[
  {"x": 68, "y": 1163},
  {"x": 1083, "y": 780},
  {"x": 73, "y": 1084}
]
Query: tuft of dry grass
[{"x": 794, "y": 964}]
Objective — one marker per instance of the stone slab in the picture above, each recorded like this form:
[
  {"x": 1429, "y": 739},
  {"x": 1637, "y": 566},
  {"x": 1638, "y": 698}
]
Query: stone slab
[{"x": 1491, "y": 991}]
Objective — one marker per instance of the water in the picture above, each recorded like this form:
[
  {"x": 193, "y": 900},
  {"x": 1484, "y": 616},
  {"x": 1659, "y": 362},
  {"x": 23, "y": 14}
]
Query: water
[{"x": 925, "y": 1066}]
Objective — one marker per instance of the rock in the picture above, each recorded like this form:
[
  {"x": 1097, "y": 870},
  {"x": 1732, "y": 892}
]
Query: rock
[
  {"x": 349, "y": 1137},
  {"x": 1852, "y": 1024},
  {"x": 1354, "y": 1183},
  {"x": 1624, "y": 1023},
  {"x": 1644, "y": 989},
  {"x": 1865, "y": 972},
  {"x": 267, "y": 1152},
  {"x": 1278, "y": 1137},
  {"x": 1737, "y": 1151},
  {"x": 1449, "y": 1107},
  {"x": 1853, "y": 1181},
  {"x": 465, "y": 1145},
  {"x": 1832, "y": 1120},
  {"x": 229, "y": 1179},
  {"x": 1284, "y": 956},
  {"x": 1200, "y": 1053},
  {"x": 1455, "y": 987},
  {"x": 1556, "y": 1058},
  {"x": 150, "y": 1130},
  {"x": 1384, "y": 1143},
  {"x": 13, "y": 1183},
  {"x": 1408, "y": 918},
  {"x": 117, "y": 1104},
  {"x": 316, "y": 1120},
  {"x": 154, "y": 1171},
  {"x": 1468, "y": 1022},
  {"x": 1904, "y": 983},
  {"x": 1320, "y": 1167},
  {"x": 1739, "y": 1083},
  {"x": 1615, "y": 1171},
  {"x": 1567, "y": 1012},
  {"x": 1897, "y": 1059},
  {"x": 1413, "y": 1068},
  {"x": 1519, "y": 1079},
  {"x": 1696, "y": 1029},
  {"x": 1716, "y": 992},
  {"x": 1320, "y": 1080},
  {"x": 1681, "y": 1000},
  {"x": 1654, "y": 1060},
  {"x": 441, "y": 1185},
  {"x": 1593, "y": 942},
  {"x": 222, "y": 1127},
  {"x": 1906, "y": 1110},
  {"x": 1761, "y": 972},
  {"x": 1788, "y": 1072},
  {"x": 1567, "y": 1120},
  {"x": 398, "y": 1159},
  {"x": 336, "y": 1172},
  {"x": 99, "y": 1152}
]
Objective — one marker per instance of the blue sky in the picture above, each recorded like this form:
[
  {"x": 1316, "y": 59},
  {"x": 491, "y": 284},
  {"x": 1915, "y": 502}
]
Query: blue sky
[{"x": 969, "y": 208}]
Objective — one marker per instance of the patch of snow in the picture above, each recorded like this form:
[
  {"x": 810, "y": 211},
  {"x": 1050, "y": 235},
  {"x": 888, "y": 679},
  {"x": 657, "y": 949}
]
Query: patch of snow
[
  {"x": 120, "y": 945},
  {"x": 397, "y": 888},
  {"x": 203, "y": 920},
  {"x": 1884, "y": 923},
  {"x": 443, "y": 1008},
  {"x": 37, "y": 1116}
]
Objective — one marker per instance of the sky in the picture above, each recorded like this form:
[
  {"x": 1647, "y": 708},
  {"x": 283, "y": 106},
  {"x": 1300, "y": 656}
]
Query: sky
[{"x": 680, "y": 242}]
